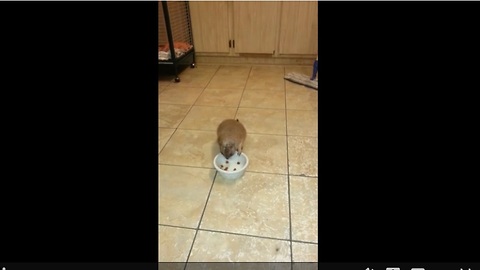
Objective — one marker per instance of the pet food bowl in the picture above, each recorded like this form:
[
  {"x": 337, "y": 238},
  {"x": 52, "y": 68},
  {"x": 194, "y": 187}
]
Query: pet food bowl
[{"x": 232, "y": 168}]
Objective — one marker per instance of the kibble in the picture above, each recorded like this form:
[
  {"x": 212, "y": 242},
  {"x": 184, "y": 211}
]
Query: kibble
[
  {"x": 238, "y": 162},
  {"x": 226, "y": 168},
  {"x": 234, "y": 169},
  {"x": 226, "y": 161}
]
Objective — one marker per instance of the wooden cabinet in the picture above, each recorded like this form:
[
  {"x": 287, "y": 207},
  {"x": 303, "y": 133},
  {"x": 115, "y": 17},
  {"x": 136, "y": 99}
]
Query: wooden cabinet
[
  {"x": 255, "y": 26},
  {"x": 299, "y": 28},
  {"x": 210, "y": 23},
  {"x": 275, "y": 28}
]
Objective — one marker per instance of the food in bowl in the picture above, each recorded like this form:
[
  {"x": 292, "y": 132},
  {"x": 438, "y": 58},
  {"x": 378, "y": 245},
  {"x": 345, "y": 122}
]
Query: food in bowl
[{"x": 232, "y": 168}]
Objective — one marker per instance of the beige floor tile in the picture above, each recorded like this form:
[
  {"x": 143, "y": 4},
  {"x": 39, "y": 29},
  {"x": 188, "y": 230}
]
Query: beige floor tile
[
  {"x": 263, "y": 121},
  {"x": 193, "y": 80},
  {"x": 220, "y": 247},
  {"x": 306, "y": 70},
  {"x": 180, "y": 95},
  {"x": 304, "y": 252},
  {"x": 206, "y": 117},
  {"x": 165, "y": 81},
  {"x": 174, "y": 243},
  {"x": 164, "y": 136},
  {"x": 270, "y": 99},
  {"x": 220, "y": 97},
  {"x": 300, "y": 97},
  {"x": 304, "y": 208},
  {"x": 295, "y": 86},
  {"x": 261, "y": 71},
  {"x": 190, "y": 148},
  {"x": 233, "y": 70},
  {"x": 256, "y": 204},
  {"x": 266, "y": 153},
  {"x": 202, "y": 69},
  {"x": 302, "y": 123},
  {"x": 303, "y": 156},
  {"x": 196, "y": 77},
  {"x": 170, "y": 115},
  {"x": 183, "y": 192},
  {"x": 267, "y": 82},
  {"x": 228, "y": 82}
]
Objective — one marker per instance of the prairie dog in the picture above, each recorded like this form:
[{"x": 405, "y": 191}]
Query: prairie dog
[{"x": 231, "y": 136}]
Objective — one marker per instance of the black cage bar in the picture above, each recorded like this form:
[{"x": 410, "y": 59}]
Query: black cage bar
[{"x": 175, "y": 31}]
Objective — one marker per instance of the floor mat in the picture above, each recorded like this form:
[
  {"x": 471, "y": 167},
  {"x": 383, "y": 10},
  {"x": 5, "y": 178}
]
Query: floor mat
[{"x": 302, "y": 79}]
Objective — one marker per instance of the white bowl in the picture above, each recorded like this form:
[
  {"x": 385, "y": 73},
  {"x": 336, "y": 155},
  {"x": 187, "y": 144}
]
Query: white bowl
[{"x": 232, "y": 168}]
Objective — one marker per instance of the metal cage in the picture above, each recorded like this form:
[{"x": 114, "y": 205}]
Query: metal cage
[{"x": 175, "y": 31}]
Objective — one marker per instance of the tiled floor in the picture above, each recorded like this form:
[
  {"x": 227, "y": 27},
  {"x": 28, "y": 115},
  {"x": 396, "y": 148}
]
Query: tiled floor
[{"x": 271, "y": 213}]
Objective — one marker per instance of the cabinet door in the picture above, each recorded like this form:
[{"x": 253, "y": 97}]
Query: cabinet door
[
  {"x": 299, "y": 28},
  {"x": 210, "y": 26},
  {"x": 255, "y": 26}
]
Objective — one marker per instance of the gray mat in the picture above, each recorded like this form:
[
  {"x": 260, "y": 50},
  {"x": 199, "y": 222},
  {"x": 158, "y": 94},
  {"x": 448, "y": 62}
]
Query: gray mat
[{"x": 302, "y": 79}]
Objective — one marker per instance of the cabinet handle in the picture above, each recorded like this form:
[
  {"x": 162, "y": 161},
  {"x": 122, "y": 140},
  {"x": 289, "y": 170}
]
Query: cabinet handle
[
  {"x": 234, "y": 43},
  {"x": 229, "y": 44}
]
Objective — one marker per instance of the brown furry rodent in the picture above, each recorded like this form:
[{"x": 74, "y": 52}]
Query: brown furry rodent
[{"x": 231, "y": 136}]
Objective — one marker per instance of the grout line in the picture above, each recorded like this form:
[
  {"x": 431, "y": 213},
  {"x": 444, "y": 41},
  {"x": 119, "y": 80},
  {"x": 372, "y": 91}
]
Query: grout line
[
  {"x": 193, "y": 104},
  {"x": 246, "y": 235},
  {"x": 259, "y": 172},
  {"x": 211, "y": 130},
  {"x": 160, "y": 150},
  {"x": 188, "y": 166},
  {"x": 176, "y": 226},
  {"x": 255, "y": 133},
  {"x": 304, "y": 242},
  {"x": 304, "y": 136},
  {"x": 201, "y": 217},
  {"x": 288, "y": 172},
  {"x": 196, "y": 129},
  {"x": 303, "y": 175},
  {"x": 243, "y": 92},
  {"x": 250, "y": 107},
  {"x": 189, "y": 109},
  {"x": 209, "y": 81},
  {"x": 174, "y": 129},
  {"x": 241, "y": 234},
  {"x": 259, "y": 108},
  {"x": 215, "y": 106}
]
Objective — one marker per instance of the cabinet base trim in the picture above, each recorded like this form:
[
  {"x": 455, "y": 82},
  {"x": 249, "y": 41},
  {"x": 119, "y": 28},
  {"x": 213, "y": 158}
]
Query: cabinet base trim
[{"x": 257, "y": 60}]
